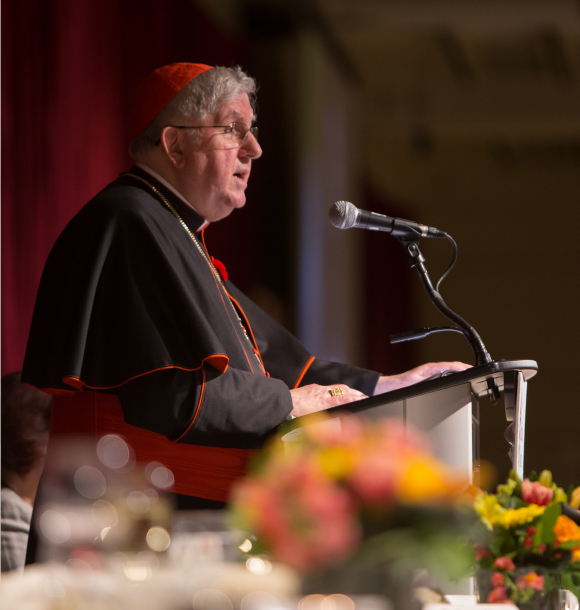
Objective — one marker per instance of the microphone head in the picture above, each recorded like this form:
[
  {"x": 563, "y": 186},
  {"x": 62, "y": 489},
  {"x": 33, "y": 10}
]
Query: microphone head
[{"x": 343, "y": 214}]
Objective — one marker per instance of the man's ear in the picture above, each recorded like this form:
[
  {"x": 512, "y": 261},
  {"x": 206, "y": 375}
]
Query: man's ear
[{"x": 171, "y": 145}]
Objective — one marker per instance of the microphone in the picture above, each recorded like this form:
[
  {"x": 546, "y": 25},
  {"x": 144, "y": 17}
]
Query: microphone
[{"x": 345, "y": 215}]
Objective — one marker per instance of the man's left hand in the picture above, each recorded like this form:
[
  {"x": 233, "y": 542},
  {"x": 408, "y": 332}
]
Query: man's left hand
[{"x": 402, "y": 380}]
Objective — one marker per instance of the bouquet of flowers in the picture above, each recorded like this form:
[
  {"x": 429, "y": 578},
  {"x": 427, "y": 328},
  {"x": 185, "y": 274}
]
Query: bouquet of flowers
[
  {"x": 529, "y": 547},
  {"x": 354, "y": 491}
]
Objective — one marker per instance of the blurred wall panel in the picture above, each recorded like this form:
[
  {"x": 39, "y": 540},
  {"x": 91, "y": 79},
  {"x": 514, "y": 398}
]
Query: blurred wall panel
[{"x": 330, "y": 264}]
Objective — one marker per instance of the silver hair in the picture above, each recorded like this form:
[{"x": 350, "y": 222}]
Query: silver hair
[{"x": 203, "y": 95}]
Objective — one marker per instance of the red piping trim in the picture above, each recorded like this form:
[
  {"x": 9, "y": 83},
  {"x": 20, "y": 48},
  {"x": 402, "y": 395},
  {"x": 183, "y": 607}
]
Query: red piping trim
[
  {"x": 80, "y": 385},
  {"x": 256, "y": 350},
  {"x": 306, "y": 367},
  {"x": 202, "y": 232},
  {"x": 198, "y": 407}
]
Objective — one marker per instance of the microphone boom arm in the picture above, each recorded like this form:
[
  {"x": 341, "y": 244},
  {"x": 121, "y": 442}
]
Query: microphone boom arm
[{"x": 417, "y": 260}]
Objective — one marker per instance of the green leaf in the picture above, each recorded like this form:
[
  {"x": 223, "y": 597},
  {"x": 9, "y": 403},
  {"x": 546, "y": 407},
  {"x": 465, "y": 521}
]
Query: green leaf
[
  {"x": 551, "y": 582},
  {"x": 568, "y": 583},
  {"x": 539, "y": 534},
  {"x": 526, "y": 595},
  {"x": 570, "y": 544},
  {"x": 447, "y": 553},
  {"x": 509, "y": 583},
  {"x": 503, "y": 543},
  {"x": 549, "y": 519},
  {"x": 510, "y": 501}
]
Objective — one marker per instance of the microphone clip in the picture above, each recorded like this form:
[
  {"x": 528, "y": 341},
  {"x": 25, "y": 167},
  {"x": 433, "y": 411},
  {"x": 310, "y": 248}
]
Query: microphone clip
[
  {"x": 408, "y": 231},
  {"x": 411, "y": 248}
]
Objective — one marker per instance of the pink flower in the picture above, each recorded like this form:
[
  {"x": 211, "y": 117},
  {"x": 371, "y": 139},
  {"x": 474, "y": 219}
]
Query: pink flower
[
  {"x": 481, "y": 553},
  {"x": 375, "y": 478},
  {"x": 504, "y": 563},
  {"x": 497, "y": 579},
  {"x": 498, "y": 595},
  {"x": 399, "y": 439},
  {"x": 535, "y": 493},
  {"x": 531, "y": 579},
  {"x": 305, "y": 519}
]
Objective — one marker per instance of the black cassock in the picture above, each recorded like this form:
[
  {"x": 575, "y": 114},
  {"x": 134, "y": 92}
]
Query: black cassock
[{"x": 129, "y": 305}]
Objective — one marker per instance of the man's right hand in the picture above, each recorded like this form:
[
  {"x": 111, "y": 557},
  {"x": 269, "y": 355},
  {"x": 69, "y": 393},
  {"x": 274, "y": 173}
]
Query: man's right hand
[{"x": 313, "y": 397}]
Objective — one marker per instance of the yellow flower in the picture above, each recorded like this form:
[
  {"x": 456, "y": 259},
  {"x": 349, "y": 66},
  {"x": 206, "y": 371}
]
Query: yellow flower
[
  {"x": 337, "y": 462},
  {"x": 519, "y": 516},
  {"x": 508, "y": 487},
  {"x": 492, "y": 513},
  {"x": 545, "y": 478},
  {"x": 560, "y": 496},
  {"x": 575, "y": 500},
  {"x": 425, "y": 478},
  {"x": 488, "y": 509}
]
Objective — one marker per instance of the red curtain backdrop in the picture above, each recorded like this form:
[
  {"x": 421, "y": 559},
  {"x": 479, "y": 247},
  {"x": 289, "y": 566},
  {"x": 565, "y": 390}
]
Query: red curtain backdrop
[{"x": 70, "y": 69}]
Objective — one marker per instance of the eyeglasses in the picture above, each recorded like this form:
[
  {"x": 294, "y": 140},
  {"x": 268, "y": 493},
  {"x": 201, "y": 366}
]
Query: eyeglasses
[{"x": 237, "y": 131}]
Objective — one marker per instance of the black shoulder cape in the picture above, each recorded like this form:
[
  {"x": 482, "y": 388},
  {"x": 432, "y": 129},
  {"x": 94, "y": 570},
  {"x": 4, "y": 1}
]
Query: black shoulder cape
[{"x": 126, "y": 292}]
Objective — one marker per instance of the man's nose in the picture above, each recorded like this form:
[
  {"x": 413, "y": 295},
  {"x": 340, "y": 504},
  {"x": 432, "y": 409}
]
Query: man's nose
[{"x": 250, "y": 147}]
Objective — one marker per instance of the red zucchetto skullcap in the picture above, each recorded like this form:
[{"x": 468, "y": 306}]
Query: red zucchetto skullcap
[{"x": 158, "y": 89}]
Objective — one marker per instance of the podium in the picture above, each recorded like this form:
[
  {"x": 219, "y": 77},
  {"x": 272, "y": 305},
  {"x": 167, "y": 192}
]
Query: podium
[{"x": 446, "y": 409}]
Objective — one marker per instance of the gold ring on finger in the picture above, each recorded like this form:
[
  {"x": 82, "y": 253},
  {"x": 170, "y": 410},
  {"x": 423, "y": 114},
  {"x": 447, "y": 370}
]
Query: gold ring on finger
[{"x": 338, "y": 391}]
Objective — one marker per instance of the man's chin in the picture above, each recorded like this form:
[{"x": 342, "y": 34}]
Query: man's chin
[{"x": 227, "y": 209}]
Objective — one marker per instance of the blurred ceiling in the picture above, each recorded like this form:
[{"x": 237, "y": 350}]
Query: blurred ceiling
[
  {"x": 500, "y": 74},
  {"x": 505, "y": 73}
]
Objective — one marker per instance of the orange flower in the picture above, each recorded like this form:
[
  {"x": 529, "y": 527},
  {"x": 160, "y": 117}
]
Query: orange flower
[
  {"x": 566, "y": 530},
  {"x": 425, "y": 479},
  {"x": 530, "y": 580}
]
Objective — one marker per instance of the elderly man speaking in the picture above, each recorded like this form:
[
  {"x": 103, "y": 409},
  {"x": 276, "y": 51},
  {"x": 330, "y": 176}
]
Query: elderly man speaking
[{"x": 137, "y": 329}]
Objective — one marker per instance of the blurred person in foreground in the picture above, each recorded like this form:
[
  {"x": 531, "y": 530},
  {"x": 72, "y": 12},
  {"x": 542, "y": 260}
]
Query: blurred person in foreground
[
  {"x": 25, "y": 427},
  {"x": 137, "y": 329}
]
